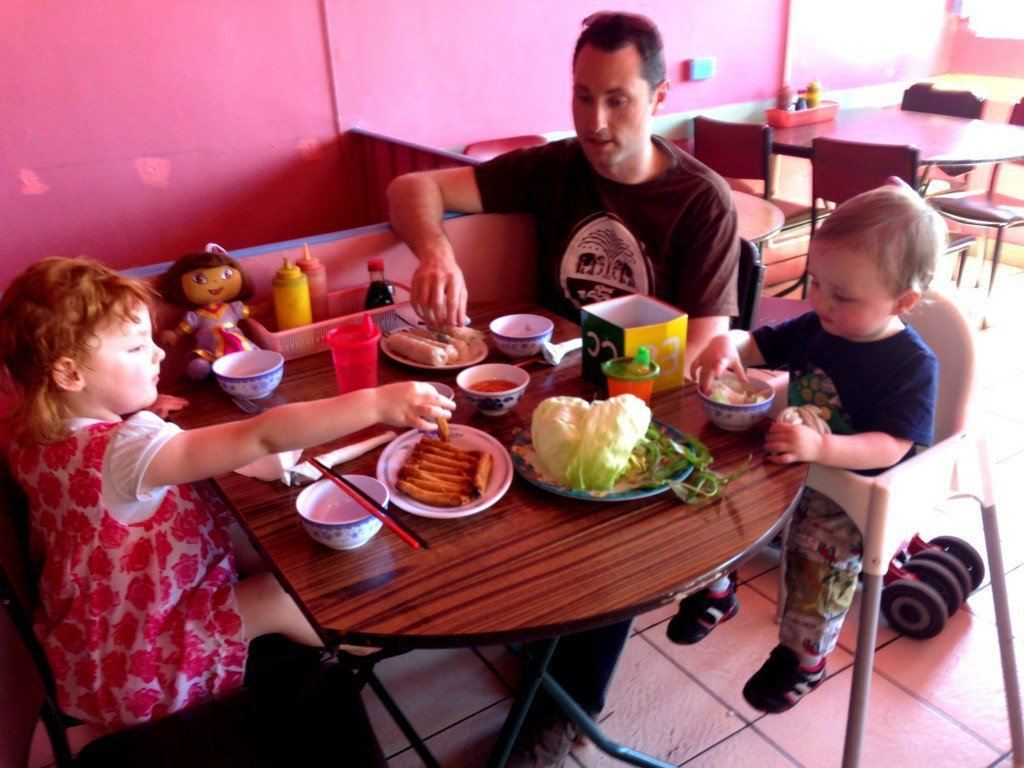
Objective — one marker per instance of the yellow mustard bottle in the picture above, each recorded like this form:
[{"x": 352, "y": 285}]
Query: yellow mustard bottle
[
  {"x": 291, "y": 297},
  {"x": 813, "y": 94}
]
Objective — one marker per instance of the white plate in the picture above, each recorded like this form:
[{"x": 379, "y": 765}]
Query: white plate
[
  {"x": 477, "y": 353},
  {"x": 395, "y": 455}
]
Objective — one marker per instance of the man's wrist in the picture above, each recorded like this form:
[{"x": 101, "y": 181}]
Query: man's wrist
[{"x": 436, "y": 251}]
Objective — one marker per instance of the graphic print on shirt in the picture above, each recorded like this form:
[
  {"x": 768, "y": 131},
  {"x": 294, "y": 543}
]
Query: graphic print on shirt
[
  {"x": 603, "y": 260},
  {"x": 814, "y": 387}
]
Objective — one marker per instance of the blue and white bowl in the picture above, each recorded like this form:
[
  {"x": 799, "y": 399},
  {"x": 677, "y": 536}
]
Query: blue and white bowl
[
  {"x": 251, "y": 374},
  {"x": 493, "y": 403},
  {"x": 521, "y": 335},
  {"x": 737, "y": 418},
  {"x": 334, "y": 518}
]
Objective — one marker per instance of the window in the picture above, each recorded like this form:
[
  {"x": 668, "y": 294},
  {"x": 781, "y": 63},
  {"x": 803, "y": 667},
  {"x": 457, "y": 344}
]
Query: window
[{"x": 995, "y": 18}]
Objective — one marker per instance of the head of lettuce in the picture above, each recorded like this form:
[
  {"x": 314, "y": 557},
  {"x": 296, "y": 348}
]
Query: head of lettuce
[{"x": 586, "y": 446}]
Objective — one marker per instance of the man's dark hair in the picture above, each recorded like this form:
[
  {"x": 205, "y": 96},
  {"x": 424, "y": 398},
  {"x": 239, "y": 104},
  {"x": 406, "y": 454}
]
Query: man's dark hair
[{"x": 610, "y": 31}]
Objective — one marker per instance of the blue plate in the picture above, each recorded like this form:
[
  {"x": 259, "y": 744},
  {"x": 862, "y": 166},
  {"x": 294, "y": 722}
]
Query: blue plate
[{"x": 526, "y": 470}]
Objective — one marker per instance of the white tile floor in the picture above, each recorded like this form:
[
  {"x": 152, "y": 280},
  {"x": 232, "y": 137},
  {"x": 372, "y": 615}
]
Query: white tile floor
[{"x": 934, "y": 703}]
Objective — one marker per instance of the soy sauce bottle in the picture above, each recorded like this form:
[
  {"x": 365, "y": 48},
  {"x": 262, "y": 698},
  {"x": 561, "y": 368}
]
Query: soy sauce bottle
[{"x": 381, "y": 293}]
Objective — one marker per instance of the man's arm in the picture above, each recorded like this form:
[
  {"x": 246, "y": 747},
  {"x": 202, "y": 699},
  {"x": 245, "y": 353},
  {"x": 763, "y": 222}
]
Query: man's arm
[
  {"x": 699, "y": 333},
  {"x": 418, "y": 202}
]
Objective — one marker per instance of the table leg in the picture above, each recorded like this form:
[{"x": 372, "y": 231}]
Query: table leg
[
  {"x": 514, "y": 722},
  {"x": 574, "y": 712}
]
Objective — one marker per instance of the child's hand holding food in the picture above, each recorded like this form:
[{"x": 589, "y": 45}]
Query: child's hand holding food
[
  {"x": 719, "y": 356},
  {"x": 788, "y": 443},
  {"x": 412, "y": 404}
]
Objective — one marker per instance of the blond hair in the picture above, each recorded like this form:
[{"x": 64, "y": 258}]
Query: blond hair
[
  {"x": 52, "y": 310},
  {"x": 897, "y": 227}
]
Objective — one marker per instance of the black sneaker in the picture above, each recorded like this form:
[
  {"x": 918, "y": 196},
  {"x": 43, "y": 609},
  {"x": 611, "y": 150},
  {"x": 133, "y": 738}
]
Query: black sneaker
[
  {"x": 699, "y": 614},
  {"x": 781, "y": 682}
]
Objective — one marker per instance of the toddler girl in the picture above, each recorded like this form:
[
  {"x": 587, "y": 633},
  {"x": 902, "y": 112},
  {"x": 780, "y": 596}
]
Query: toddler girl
[{"x": 141, "y": 611}]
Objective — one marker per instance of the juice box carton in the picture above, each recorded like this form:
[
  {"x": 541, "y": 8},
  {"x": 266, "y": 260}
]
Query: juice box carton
[{"x": 619, "y": 326}]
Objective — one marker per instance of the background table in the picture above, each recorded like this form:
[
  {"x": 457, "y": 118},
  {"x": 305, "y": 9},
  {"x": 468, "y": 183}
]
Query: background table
[
  {"x": 950, "y": 140},
  {"x": 757, "y": 219},
  {"x": 534, "y": 565}
]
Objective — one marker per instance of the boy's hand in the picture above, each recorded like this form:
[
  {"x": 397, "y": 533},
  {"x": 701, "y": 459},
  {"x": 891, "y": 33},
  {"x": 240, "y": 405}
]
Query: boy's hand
[
  {"x": 412, "y": 404},
  {"x": 164, "y": 405},
  {"x": 719, "y": 356},
  {"x": 788, "y": 443}
]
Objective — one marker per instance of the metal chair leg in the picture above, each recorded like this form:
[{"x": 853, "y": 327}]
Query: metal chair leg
[
  {"x": 867, "y": 633},
  {"x": 996, "y": 255},
  {"x": 1003, "y": 629},
  {"x": 960, "y": 267}
]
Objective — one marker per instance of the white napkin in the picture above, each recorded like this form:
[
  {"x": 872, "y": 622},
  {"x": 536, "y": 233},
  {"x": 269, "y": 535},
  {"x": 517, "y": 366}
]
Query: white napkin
[{"x": 282, "y": 466}]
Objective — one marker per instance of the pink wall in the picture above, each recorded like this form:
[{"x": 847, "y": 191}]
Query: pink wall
[
  {"x": 135, "y": 131},
  {"x": 985, "y": 55},
  {"x": 846, "y": 45},
  {"x": 501, "y": 70}
]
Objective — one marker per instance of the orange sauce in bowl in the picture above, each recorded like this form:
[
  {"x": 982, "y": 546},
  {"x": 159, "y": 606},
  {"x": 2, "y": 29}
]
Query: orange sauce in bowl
[{"x": 492, "y": 385}]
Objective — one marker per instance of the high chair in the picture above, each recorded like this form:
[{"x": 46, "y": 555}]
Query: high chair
[{"x": 921, "y": 482}]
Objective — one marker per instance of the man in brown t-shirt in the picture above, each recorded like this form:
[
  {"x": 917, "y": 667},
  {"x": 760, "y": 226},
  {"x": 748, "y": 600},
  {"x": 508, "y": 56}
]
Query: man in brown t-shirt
[{"x": 617, "y": 210}]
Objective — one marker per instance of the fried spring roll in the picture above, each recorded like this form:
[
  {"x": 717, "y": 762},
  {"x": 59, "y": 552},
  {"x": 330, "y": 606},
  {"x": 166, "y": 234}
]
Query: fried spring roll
[
  {"x": 430, "y": 497},
  {"x": 430, "y": 482},
  {"x": 440, "y": 457},
  {"x": 442, "y": 430},
  {"x": 483, "y": 472},
  {"x": 440, "y": 471},
  {"x": 446, "y": 447}
]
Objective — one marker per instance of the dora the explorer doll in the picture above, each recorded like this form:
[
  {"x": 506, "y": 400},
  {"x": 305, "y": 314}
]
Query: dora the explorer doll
[{"x": 214, "y": 285}]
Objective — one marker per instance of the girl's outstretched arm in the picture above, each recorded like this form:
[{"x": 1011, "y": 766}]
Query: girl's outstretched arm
[{"x": 197, "y": 454}]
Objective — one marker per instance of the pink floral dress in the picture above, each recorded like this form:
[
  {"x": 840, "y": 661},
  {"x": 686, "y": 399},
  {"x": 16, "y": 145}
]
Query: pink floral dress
[{"x": 139, "y": 620}]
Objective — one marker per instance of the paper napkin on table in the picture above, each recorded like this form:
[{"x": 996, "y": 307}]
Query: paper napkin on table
[{"x": 283, "y": 467}]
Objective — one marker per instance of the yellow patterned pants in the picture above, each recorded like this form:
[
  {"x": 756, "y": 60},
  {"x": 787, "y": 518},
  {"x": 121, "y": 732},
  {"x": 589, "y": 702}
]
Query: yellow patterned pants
[{"x": 823, "y": 558}]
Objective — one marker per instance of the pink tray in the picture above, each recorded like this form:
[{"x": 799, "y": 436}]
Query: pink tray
[{"x": 788, "y": 118}]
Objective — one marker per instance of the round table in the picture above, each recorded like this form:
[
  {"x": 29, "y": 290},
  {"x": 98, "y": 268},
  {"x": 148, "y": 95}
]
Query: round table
[
  {"x": 940, "y": 139},
  {"x": 533, "y": 566},
  {"x": 757, "y": 219}
]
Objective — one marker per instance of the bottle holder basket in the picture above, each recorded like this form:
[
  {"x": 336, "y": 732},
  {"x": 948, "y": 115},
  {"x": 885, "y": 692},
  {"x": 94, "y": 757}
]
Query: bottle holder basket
[{"x": 344, "y": 306}]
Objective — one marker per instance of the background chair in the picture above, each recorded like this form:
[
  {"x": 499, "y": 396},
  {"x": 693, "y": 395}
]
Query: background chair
[
  {"x": 490, "y": 148},
  {"x": 874, "y": 504},
  {"x": 841, "y": 170},
  {"x": 749, "y": 284},
  {"x": 924, "y": 97},
  {"x": 742, "y": 154},
  {"x": 989, "y": 210}
]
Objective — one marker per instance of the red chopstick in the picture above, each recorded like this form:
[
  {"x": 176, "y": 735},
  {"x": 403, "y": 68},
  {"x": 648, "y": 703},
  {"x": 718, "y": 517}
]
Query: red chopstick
[{"x": 371, "y": 506}]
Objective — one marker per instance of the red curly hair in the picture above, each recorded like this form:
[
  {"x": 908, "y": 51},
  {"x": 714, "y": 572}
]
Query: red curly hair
[{"x": 50, "y": 311}]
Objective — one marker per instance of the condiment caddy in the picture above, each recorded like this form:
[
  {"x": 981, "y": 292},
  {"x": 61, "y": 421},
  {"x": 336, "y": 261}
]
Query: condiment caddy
[{"x": 344, "y": 306}]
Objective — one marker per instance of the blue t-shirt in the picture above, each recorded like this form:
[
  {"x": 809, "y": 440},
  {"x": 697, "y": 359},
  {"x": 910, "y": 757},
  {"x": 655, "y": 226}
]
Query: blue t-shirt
[{"x": 876, "y": 386}]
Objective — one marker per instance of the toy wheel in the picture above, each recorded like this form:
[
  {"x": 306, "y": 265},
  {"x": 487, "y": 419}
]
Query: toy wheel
[
  {"x": 966, "y": 554},
  {"x": 914, "y": 609},
  {"x": 951, "y": 564},
  {"x": 939, "y": 579}
]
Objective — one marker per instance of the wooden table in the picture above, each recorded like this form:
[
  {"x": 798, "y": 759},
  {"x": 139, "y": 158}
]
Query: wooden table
[
  {"x": 533, "y": 566},
  {"x": 941, "y": 139},
  {"x": 757, "y": 219}
]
